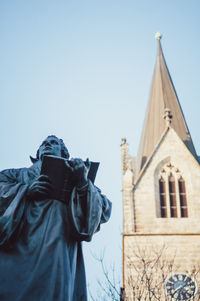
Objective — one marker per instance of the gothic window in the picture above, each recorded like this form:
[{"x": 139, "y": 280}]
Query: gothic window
[
  {"x": 163, "y": 205},
  {"x": 172, "y": 196},
  {"x": 183, "y": 200},
  {"x": 172, "y": 193}
]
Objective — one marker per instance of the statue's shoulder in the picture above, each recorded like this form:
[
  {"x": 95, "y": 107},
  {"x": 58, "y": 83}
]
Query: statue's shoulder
[
  {"x": 23, "y": 175},
  {"x": 11, "y": 174}
]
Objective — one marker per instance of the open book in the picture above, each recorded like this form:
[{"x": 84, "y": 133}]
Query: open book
[{"x": 61, "y": 176}]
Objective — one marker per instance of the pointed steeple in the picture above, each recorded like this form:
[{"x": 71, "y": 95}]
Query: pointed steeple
[{"x": 163, "y": 99}]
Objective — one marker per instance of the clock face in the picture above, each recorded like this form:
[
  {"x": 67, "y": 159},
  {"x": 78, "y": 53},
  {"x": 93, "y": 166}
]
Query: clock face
[{"x": 180, "y": 287}]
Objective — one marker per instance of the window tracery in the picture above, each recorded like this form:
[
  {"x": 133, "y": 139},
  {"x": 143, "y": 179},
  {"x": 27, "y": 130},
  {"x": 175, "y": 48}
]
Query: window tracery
[{"x": 172, "y": 193}]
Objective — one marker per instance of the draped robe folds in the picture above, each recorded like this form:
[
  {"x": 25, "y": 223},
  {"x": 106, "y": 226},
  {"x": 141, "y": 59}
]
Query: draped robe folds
[{"x": 40, "y": 241}]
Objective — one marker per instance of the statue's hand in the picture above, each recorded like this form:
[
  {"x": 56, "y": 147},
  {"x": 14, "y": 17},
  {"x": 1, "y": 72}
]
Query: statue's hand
[
  {"x": 40, "y": 188},
  {"x": 80, "y": 171}
]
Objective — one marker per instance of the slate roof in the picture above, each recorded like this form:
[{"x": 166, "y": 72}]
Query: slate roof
[{"x": 162, "y": 95}]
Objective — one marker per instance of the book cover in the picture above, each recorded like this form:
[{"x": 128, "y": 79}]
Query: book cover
[{"x": 61, "y": 176}]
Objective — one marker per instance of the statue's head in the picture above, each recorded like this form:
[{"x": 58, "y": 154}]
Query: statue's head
[{"x": 52, "y": 145}]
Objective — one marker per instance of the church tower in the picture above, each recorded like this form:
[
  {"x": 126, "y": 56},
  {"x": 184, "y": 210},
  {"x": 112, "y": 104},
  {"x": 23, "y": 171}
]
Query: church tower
[{"x": 161, "y": 201}]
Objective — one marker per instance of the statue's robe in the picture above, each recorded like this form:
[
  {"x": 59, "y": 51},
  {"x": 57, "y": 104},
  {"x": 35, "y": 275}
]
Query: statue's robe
[{"x": 40, "y": 241}]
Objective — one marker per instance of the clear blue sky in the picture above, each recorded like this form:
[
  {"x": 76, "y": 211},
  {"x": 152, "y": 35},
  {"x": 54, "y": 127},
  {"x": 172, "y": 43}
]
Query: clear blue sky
[{"x": 82, "y": 70}]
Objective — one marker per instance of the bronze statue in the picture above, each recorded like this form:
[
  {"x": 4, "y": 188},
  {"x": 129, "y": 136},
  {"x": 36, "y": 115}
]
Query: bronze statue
[{"x": 40, "y": 236}]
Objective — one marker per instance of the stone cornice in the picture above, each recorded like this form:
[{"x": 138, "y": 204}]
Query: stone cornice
[{"x": 160, "y": 234}]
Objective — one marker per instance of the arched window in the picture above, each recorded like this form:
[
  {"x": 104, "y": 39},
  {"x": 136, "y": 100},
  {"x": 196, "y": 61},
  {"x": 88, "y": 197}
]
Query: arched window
[
  {"x": 172, "y": 199},
  {"x": 182, "y": 195},
  {"x": 163, "y": 205},
  {"x": 172, "y": 196}
]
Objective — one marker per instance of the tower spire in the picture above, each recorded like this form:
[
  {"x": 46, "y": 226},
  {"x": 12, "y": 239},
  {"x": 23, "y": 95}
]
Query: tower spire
[{"x": 162, "y": 98}]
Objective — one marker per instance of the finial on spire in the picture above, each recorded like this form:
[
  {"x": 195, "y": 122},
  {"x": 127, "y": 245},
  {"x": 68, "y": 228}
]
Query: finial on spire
[
  {"x": 158, "y": 36},
  {"x": 123, "y": 142},
  {"x": 168, "y": 116}
]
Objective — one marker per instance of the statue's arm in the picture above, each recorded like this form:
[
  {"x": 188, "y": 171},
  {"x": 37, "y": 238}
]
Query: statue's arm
[
  {"x": 88, "y": 209},
  {"x": 12, "y": 202},
  {"x": 9, "y": 185}
]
